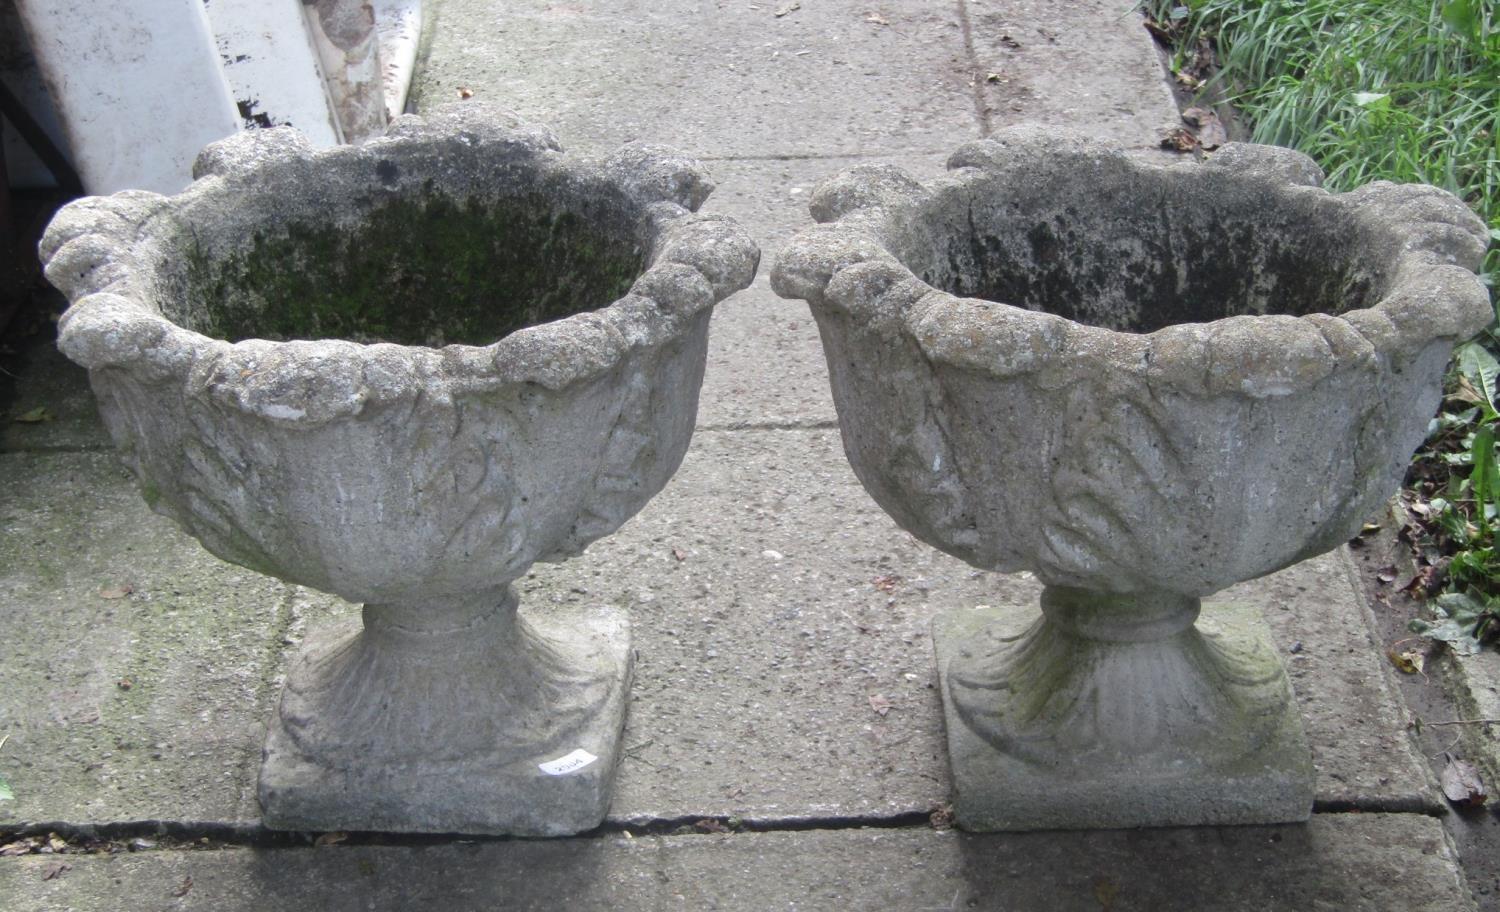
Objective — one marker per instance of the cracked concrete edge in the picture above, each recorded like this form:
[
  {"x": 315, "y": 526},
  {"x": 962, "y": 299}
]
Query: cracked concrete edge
[
  {"x": 1435, "y": 804},
  {"x": 1473, "y": 682}
]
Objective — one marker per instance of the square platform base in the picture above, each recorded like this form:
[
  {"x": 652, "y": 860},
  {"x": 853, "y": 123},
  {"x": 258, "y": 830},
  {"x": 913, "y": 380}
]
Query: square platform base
[
  {"x": 994, "y": 791},
  {"x": 559, "y": 791}
]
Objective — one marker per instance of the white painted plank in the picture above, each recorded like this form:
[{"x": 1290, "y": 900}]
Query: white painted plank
[{"x": 137, "y": 86}]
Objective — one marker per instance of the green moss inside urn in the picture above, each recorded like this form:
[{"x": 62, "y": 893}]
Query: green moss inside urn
[{"x": 428, "y": 270}]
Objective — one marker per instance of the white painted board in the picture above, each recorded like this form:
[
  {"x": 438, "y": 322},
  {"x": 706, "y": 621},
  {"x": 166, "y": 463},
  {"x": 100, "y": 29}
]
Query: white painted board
[
  {"x": 272, "y": 67},
  {"x": 137, "y": 86}
]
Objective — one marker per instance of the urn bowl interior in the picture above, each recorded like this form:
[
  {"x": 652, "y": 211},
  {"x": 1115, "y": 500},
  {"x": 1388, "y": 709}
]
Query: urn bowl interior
[
  {"x": 1136, "y": 250},
  {"x": 413, "y": 268}
]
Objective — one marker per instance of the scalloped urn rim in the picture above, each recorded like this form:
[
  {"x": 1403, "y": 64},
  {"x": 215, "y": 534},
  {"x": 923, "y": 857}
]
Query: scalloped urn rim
[
  {"x": 846, "y": 264},
  {"x": 102, "y": 253}
]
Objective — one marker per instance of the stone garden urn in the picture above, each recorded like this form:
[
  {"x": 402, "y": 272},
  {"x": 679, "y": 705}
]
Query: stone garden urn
[
  {"x": 1142, "y": 384},
  {"x": 402, "y": 373}
]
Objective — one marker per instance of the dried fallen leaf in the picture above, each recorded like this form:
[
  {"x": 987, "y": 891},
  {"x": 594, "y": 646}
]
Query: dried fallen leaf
[
  {"x": 785, "y": 8},
  {"x": 1187, "y": 80},
  {"x": 680, "y": 554},
  {"x": 1428, "y": 580},
  {"x": 1461, "y": 783},
  {"x": 184, "y": 887},
  {"x": 56, "y": 870},
  {"x": 941, "y": 817},
  {"x": 1410, "y": 662},
  {"x": 19, "y": 847},
  {"x": 465, "y": 92},
  {"x": 118, "y": 591},
  {"x": 1180, "y": 139},
  {"x": 880, "y": 704},
  {"x": 34, "y": 416},
  {"x": 993, "y": 77},
  {"x": 328, "y": 839},
  {"x": 124, "y": 683},
  {"x": 1386, "y": 574},
  {"x": 710, "y": 825},
  {"x": 1210, "y": 131},
  {"x": 877, "y": 19},
  {"x": 56, "y": 843},
  {"x": 887, "y": 582}
]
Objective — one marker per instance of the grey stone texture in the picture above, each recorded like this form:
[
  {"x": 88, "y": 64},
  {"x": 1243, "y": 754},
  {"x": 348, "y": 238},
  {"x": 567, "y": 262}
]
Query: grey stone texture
[
  {"x": 1361, "y": 863},
  {"x": 754, "y": 675},
  {"x": 493, "y": 357},
  {"x": 1143, "y": 384}
]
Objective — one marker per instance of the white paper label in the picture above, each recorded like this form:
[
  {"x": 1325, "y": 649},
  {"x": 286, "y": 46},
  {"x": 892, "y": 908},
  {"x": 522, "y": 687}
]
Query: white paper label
[{"x": 570, "y": 763}]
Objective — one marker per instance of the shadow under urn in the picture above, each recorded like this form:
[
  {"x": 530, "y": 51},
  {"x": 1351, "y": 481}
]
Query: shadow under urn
[
  {"x": 402, "y": 373},
  {"x": 1143, "y": 384}
]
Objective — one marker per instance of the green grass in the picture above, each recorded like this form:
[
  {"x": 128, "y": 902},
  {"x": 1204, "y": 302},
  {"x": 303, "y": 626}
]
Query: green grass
[
  {"x": 1402, "y": 90},
  {"x": 1407, "y": 91}
]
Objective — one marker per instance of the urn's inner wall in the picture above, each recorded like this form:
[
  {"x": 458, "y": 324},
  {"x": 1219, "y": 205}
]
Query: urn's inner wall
[
  {"x": 415, "y": 270},
  {"x": 1136, "y": 252}
]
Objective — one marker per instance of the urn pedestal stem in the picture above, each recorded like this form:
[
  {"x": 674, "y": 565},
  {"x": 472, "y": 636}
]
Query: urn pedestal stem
[
  {"x": 450, "y": 717},
  {"x": 1113, "y": 710}
]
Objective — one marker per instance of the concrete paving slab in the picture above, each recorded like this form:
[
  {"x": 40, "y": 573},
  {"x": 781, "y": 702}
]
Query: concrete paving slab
[
  {"x": 1041, "y": 61},
  {"x": 1336, "y": 862},
  {"x": 719, "y": 78},
  {"x": 137, "y": 665},
  {"x": 40, "y": 377},
  {"x": 777, "y": 611},
  {"x": 765, "y": 360}
]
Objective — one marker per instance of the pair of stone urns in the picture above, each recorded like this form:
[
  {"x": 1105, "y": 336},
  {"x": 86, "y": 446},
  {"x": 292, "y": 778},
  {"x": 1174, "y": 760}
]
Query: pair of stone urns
[{"x": 1142, "y": 383}]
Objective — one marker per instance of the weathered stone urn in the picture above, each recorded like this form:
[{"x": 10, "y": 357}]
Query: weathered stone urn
[
  {"x": 402, "y": 373},
  {"x": 1142, "y": 384}
]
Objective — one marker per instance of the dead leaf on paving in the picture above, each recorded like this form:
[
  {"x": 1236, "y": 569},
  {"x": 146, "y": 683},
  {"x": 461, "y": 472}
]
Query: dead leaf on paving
[
  {"x": 877, "y": 19},
  {"x": 785, "y": 8},
  {"x": 1210, "y": 131},
  {"x": 34, "y": 416},
  {"x": 1410, "y": 662},
  {"x": 1461, "y": 783},
  {"x": 1179, "y": 139},
  {"x": 887, "y": 582},
  {"x": 56, "y": 870},
  {"x": 118, "y": 591},
  {"x": 880, "y": 704},
  {"x": 328, "y": 839},
  {"x": 184, "y": 887}
]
